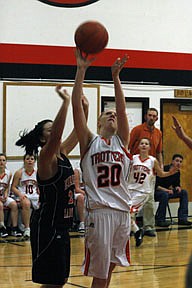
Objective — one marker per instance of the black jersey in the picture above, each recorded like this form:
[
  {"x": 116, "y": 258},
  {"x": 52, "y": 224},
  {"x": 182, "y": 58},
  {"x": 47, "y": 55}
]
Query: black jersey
[
  {"x": 57, "y": 196},
  {"x": 50, "y": 241}
]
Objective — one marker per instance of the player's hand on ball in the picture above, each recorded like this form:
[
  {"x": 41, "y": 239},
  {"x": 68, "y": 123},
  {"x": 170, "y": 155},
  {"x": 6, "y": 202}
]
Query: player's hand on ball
[{"x": 82, "y": 60}]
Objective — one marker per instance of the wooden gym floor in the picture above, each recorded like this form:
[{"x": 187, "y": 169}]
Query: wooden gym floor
[{"x": 159, "y": 262}]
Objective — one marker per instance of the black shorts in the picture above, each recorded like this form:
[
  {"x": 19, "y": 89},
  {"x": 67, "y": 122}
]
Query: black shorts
[{"x": 50, "y": 254}]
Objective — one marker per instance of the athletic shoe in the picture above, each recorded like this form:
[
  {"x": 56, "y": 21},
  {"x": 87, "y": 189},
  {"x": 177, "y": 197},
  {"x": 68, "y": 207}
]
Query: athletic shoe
[
  {"x": 184, "y": 222},
  {"x": 150, "y": 233},
  {"x": 163, "y": 223},
  {"x": 3, "y": 232},
  {"x": 139, "y": 237},
  {"x": 26, "y": 233},
  {"x": 81, "y": 228},
  {"x": 16, "y": 232}
]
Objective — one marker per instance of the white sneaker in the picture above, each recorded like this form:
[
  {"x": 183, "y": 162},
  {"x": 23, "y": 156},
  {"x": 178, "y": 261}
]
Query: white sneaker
[
  {"x": 16, "y": 232},
  {"x": 26, "y": 233},
  {"x": 3, "y": 232},
  {"x": 81, "y": 228}
]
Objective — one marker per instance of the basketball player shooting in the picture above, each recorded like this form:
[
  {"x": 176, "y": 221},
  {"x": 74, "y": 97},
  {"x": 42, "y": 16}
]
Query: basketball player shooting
[{"x": 105, "y": 165}]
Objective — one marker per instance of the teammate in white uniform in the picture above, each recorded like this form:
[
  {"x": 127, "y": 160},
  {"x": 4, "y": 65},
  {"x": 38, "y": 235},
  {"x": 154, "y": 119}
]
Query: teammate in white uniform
[
  {"x": 105, "y": 164},
  {"x": 24, "y": 186},
  {"x": 6, "y": 201},
  {"x": 140, "y": 183}
]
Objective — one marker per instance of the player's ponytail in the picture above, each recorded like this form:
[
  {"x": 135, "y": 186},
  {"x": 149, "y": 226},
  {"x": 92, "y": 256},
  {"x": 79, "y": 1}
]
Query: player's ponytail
[{"x": 31, "y": 141}]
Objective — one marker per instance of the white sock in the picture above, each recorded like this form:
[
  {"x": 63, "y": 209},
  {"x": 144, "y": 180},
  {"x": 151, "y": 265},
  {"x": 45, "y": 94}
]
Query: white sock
[
  {"x": 134, "y": 226},
  {"x": 2, "y": 224}
]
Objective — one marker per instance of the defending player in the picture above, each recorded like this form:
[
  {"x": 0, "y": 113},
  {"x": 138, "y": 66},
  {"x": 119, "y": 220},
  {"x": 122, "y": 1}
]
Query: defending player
[{"x": 50, "y": 241}]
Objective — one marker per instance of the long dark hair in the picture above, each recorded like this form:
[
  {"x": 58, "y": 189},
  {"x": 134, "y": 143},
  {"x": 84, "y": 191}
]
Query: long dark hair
[{"x": 31, "y": 141}]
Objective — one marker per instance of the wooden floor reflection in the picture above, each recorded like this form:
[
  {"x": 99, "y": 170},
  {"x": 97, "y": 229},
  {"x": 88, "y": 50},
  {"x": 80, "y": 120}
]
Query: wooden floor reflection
[{"x": 158, "y": 262}]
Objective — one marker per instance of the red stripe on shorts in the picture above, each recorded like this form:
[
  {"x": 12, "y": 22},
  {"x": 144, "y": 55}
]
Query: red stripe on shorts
[
  {"x": 128, "y": 254},
  {"x": 87, "y": 262}
]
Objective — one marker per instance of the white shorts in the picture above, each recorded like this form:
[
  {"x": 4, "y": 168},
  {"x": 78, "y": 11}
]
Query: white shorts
[
  {"x": 138, "y": 199},
  {"x": 107, "y": 236},
  {"x": 77, "y": 195},
  {"x": 8, "y": 201},
  {"x": 34, "y": 199}
]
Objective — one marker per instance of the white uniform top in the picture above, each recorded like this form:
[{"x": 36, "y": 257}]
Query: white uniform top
[
  {"x": 4, "y": 179},
  {"x": 105, "y": 171},
  {"x": 28, "y": 184},
  {"x": 142, "y": 174}
]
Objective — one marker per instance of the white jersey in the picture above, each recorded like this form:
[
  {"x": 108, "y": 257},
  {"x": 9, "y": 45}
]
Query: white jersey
[
  {"x": 28, "y": 184},
  {"x": 105, "y": 169},
  {"x": 142, "y": 174},
  {"x": 4, "y": 180}
]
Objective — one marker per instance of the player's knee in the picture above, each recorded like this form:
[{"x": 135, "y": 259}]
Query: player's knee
[
  {"x": 26, "y": 204},
  {"x": 80, "y": 199},
  {"x": 1, "y": 205},
  {"x": 13, "y": 206},
  {"x": 165, "y": 197}
]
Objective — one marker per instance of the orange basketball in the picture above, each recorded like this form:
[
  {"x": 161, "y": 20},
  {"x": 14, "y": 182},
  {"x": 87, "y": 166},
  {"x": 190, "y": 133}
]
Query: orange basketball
[{"x": 91, "y": 37}]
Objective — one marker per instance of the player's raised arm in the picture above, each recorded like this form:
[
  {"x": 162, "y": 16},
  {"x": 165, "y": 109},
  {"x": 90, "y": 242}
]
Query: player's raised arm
[
  {"x": 80, "y": 123},
  {"x": 122, "y": 121},
  {"x": 52, "y": 145},
  {"x": 161, "y": 173},
  {"x": 181, "y": 133},
  {"x": 71, "y": 141}
]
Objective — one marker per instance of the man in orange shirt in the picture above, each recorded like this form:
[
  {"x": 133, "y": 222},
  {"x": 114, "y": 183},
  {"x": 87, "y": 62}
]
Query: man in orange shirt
[{"x": 148, "y": 130}]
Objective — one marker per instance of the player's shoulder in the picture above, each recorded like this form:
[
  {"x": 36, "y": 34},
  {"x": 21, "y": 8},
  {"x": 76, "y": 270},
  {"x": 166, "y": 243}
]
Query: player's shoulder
[
  {"x": 94, "y": 139},
  {"x": 8, "y": 172},
  {"x": 18, "y": 172},
  {"x": 136, "y": 156},
  {"x": 152, "y": 158}
]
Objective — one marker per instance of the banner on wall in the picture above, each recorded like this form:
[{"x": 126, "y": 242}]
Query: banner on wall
[
  {"x": 34, "y": 47},
  {"x": 23, "y": 61}
]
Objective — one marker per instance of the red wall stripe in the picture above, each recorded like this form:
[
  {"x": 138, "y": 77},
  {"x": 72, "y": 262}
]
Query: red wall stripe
[{"x": 64, "y": 55}]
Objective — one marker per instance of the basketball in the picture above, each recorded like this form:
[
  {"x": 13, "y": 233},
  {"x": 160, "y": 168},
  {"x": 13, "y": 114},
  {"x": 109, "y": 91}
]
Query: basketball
[{"x": 91, "y": 37}]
